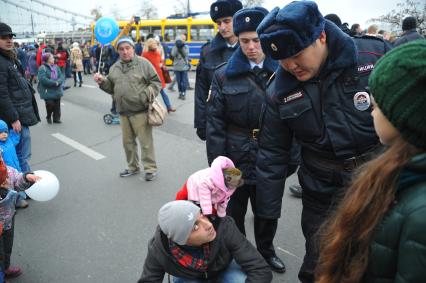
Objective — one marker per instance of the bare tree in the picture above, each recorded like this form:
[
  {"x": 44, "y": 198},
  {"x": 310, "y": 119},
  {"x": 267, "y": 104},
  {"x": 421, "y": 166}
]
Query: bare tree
[
  {"x": 252, "y": 3},
  {"x": 148, "y": 10},
  {"x": 180, "y": 8},
  {"x": 96, "y": 12},
  {"x": 404, "y": 9},
  {"x": 115, "y": 11}
]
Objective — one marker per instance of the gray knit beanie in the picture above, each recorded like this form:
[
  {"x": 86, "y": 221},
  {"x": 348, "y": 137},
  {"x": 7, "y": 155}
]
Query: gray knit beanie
[
  {"x": 125, "y": 39},
  {"x": 176, "y": 220}
]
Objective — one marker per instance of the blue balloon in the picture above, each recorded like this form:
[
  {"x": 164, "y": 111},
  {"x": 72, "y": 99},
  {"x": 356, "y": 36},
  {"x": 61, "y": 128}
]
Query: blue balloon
[{"x": 106, "y": 30}]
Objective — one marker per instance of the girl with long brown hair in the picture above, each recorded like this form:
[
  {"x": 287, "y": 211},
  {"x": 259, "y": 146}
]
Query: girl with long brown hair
[{"x": 378, "y": 233}]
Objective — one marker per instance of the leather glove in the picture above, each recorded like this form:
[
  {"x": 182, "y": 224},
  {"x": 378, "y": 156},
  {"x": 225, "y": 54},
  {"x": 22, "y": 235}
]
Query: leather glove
[{"x": 201, "y": 133}]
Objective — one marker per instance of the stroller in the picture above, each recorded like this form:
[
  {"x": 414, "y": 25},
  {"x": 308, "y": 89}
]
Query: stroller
[{"x": 112, "y": 118}]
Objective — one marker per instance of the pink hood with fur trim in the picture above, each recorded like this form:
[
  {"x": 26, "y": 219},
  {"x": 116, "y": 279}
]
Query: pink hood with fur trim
[{"x": 207, "y": 186}]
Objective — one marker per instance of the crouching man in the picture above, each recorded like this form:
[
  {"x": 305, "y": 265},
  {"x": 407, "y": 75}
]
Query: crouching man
[{"x": 191, "y": 248}]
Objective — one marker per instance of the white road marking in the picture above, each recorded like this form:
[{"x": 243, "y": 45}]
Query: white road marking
[
  {"x": 89, "y": 86},
  {"x": 289, "y": 253},
  {"x": 84, "y": 149}
]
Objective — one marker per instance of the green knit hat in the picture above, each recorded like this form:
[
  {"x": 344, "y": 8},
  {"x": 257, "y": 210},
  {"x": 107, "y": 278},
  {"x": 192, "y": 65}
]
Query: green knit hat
[{"x": 398, "y": 85}]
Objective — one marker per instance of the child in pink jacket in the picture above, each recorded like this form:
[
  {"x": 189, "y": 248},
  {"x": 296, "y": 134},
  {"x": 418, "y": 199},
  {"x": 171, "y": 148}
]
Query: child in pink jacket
[
  {"x": 10, "y": 180},
  {"x": 212, "y": 187}
]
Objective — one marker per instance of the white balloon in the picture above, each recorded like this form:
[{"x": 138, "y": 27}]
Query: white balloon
[{"x": 44, "y": 189}]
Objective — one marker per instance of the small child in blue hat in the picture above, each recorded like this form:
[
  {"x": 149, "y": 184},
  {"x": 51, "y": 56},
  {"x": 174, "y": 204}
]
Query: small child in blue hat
[{"x": 8, "y": 141}]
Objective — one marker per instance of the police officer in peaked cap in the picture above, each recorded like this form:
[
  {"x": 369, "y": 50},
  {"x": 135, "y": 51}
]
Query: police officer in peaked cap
[{"x": 318, "y": 94}]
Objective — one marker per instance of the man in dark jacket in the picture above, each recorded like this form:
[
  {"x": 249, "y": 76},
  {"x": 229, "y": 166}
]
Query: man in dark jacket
[
  {"x": 18, "y": 107},
  {"x": 409, "y": 25},
  {"x": 212, "y": 55},
  {"x": 188, "y": 246},
  {"x": 237, "y": 94},
  {"x": 319, "y": 95}
]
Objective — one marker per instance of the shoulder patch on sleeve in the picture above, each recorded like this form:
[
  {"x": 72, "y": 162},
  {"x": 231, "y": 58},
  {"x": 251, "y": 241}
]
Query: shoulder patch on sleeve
[{"x": 365, "y": 68}]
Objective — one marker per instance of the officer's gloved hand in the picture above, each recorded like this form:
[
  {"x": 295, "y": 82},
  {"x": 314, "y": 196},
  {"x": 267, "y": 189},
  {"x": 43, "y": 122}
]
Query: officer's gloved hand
[{"x": 201, "y": 133}]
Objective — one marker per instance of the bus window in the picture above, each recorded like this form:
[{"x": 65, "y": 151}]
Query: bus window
[
  {"x": 173, "y": 32},
  {"x": 202, "y": 32},
  {"x": 145, "y": 31}
]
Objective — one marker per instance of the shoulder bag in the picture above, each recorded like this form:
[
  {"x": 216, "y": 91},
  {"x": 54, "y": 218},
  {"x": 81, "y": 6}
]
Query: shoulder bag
[
  {"x": 156, "y": 111},
  {"x": 166, "y": 74}
]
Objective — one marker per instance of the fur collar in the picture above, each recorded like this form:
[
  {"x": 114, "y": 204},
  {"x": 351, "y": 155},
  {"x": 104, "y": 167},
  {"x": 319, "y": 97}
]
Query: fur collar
[
  {"x": 342, "y": 53},
  {"x": 9, "y": 54},
  {"x": 239, "y": 64}
]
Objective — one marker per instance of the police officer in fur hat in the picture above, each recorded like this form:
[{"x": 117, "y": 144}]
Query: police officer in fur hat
[
  {"x": 318, "y": 94},
  {"x": 212, "y": 55},
  {"x": 237, "y": 94}
]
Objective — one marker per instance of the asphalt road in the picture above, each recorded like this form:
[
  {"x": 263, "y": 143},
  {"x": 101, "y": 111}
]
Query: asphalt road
[{"x": 98, "y": 226}]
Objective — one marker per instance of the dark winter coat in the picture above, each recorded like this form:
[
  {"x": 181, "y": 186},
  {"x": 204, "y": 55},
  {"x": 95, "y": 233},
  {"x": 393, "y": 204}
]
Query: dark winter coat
[
  {"x": 17, "y": 101},
  {"x": 234, "y": 107},
  {"x": 321, "y": 113},
  {"x": 212, "y": 55},
  {"x": 408, "y": 36},
  {"x": 229, "y": 244},
  {"x": 398, "y": 250}
]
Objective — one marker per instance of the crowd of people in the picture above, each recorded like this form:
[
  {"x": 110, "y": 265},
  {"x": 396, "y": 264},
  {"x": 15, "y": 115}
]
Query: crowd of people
[
  {"x": 276, "y": 92},
  {"x": 291, "y": 90}
]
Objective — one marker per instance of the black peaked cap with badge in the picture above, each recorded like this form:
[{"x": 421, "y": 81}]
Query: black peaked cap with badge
[
  {"x": 6, "y": 29},
  {"x": 248, "y": 19},
  {"x": 224, "y": 8},
  {"x": 285, "y": 32}
]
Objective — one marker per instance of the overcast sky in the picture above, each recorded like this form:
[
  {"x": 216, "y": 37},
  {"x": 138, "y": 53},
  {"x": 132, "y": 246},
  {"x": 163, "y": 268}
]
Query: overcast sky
[{"x": 351, "y": 11}]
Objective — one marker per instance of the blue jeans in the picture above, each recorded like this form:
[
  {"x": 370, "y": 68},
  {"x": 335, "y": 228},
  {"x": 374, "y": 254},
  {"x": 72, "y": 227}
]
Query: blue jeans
[
  {"x": 233, "y": 274},
  {"x": 23, "y": 149},
  {"x": 68, "y": 70},
  {"x": 165, "y": 99},
  {"x": 186, "y": 77},
  {"x": 86, "y": 65},
  {"x": 181, "y": 78}
]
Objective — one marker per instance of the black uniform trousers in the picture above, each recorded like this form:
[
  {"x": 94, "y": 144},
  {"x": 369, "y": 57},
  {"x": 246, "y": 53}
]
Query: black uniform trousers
[
  {"x": 264, "y": 229},
  {"x": 6, "y": 244},
  {"x": 53, "y": 107},
  {"x": 317, "y": 207}
]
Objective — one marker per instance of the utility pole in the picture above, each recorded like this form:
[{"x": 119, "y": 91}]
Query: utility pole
[
  {"x": 188, "y": 8},
  {"x": 73, "y": 23},
  {"x": 32, "y": 25}
]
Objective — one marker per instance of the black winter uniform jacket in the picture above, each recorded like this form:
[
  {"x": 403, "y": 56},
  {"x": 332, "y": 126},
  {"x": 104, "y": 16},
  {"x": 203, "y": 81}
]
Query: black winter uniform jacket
[
  {"x": 329, "y": 116},
  {"x": 212, "y": 55},
  {"x": 234, "y": 108}
]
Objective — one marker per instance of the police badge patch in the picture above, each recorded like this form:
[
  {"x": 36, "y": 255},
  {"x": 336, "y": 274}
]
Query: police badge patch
[
  {"x": 362, "y": 101},
  {"x": 293, "y": 96}
]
